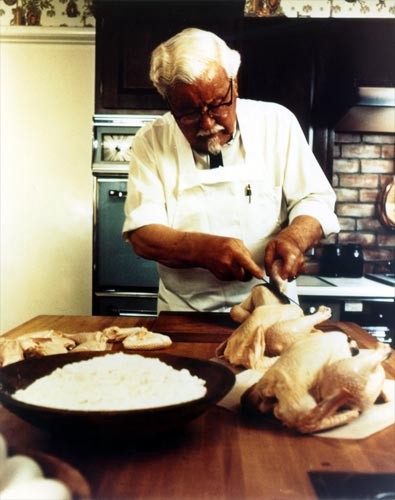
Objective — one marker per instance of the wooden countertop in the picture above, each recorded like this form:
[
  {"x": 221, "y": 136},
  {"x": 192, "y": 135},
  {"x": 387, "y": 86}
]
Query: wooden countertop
[{"x": 220, "y": 455}]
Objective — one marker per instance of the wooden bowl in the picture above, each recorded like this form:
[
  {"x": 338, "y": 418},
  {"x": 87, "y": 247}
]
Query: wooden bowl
[{"x": 124, "y": 424}]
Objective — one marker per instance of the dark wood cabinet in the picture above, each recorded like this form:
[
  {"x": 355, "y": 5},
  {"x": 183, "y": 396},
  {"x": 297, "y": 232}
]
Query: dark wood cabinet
[
  {"x": 128, "y": 31},
  {"x": 315, "y": 66},
  {"x": 278, "y": 64}
]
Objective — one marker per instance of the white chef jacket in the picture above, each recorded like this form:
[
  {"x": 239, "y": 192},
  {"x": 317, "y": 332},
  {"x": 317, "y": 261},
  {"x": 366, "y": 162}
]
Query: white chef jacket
[{"x": 165, "y": 187}]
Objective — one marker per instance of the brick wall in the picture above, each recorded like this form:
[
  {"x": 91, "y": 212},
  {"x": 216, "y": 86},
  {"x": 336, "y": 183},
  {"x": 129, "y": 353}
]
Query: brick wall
[{"x": 362, "y": 164}]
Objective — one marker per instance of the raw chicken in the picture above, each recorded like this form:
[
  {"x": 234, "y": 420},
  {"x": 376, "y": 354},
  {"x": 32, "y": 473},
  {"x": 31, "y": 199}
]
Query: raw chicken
[
  {"x": 316, "y": 384},
  {"x": 91, "y": 345},
  {"x": 362, "y": 376},
  {"x": 246, "y": 345},
  {"x": 260, "y": 295},
  {"x": 284, "y": 333},
  {"x": 10, "y": 351},
  {"x": 117, "y": 334},
  {"x": 286, "y": 387},
  {"x": 36, "y": 347},
  {"x": 144, "y": 339},
  {"x": 82, "y": 337}
]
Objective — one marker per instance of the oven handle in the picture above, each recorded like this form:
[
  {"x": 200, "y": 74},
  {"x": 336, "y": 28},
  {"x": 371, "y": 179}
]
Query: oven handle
[
  {"x": 127, "y": 313},
  {"x": 115, "y": 193}
]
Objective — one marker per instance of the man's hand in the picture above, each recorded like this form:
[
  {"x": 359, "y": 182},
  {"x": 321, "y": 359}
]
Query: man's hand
[
  {"x": 227, "y": 258},
  {"x": 284, "y": 254}
]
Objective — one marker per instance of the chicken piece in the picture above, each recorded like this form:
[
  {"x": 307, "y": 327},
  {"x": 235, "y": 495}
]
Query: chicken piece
[
  {"x": 286, "y": 388},
  {"x": 117, "y": 334},
  {"x": 48, "y": 335},
  {"x": 260, "y": 295},
  {"x": 42, "y": 334},
  {"x": 284, "y": 333},
  {"x": 82, "y": 337},
  {"x": 37, "y": 347},
  {"x": 146, "y": 340},
  {"x": 246, "y": 345},
  {"x": 92, "y": 345},
  {"x": 10, "y": 351}
]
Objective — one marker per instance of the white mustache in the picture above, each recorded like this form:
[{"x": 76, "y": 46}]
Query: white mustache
[{"x": 214, "y": 130}]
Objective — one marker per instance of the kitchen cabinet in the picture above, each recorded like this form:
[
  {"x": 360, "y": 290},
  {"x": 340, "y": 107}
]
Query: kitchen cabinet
[
  {"x": 314, "y": 67},
  {"x": 128, "y": 31},
  {"x": 278, "y": 64}
]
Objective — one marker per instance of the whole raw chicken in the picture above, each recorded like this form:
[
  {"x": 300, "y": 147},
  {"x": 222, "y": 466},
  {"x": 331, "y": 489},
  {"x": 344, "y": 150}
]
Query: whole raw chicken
[{"x": 315, "y": 378}]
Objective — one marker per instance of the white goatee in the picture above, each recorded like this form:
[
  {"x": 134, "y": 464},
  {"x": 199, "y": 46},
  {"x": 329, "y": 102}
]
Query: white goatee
[{"x": 213, "y": 143}]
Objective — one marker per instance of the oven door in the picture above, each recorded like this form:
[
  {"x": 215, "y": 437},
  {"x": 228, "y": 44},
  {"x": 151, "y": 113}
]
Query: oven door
[{"x": 123, "y": 282}]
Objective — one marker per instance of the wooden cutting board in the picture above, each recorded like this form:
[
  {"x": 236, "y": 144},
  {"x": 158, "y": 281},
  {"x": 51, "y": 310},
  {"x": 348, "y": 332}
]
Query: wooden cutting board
[{"x": 197, "y": 327}]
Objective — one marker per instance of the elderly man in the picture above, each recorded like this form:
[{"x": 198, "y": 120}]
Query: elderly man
[{"x": 222, "y": 191}]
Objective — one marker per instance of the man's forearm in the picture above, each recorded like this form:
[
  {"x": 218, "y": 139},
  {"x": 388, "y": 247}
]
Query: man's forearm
[
  {"x": 166, "y": 245},
  {"x": 227, "y": 258},
  {"x": 305, "y": 231}
]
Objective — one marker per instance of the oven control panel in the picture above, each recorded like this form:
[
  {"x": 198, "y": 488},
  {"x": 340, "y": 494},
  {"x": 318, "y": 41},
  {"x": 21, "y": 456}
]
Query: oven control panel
[{"x": 113, "y": 139}]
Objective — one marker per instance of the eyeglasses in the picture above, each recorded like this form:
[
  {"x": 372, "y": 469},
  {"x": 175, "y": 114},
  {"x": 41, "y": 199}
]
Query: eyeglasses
[{"x": 213, "y": 110}]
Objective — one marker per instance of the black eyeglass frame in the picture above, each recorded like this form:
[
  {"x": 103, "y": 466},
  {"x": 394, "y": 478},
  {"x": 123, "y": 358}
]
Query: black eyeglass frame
[{"x": 210, "y": 108}]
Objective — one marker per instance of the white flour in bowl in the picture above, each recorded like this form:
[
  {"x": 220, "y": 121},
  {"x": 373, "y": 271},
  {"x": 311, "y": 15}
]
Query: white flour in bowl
[{"x": 113, "y": 382}]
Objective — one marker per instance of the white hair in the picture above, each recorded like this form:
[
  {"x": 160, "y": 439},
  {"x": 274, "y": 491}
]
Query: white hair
[{"x": 187, "y": 56}]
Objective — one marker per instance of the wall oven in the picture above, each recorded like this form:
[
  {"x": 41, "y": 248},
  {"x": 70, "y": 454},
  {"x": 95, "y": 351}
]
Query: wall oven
[{"x": 123, "y": 283}]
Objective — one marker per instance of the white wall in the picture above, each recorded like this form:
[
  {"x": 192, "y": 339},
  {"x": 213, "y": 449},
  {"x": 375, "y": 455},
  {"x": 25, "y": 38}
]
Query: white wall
[{"x": 46, "y": 108}]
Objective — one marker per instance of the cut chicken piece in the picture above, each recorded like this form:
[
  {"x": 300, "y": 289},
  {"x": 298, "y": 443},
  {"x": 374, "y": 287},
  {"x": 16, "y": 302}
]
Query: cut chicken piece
[
  {"x": 48, "y": 335},
  {"x": 36, "y": 347},
  {"x": 118, "y": 334},
  {"x": 92, "y": 345},
  {"x": 10, "y": 351},
  {"x": 82, "y": 337},
  {"x": 146, "y": 340}
]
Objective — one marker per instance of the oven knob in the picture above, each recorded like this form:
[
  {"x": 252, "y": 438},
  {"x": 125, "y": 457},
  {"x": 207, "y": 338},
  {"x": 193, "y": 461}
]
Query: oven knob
[{"x": 114, "y": 193}]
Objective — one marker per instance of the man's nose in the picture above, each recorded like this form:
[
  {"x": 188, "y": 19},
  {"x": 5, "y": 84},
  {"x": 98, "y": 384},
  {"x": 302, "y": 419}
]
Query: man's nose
[{"x": 206, "y": 120}]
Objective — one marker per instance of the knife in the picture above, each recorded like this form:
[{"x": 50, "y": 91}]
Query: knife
[{"x": 274, "y": 288}]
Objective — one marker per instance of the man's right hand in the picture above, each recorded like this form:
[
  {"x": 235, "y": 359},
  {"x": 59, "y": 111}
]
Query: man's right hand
[{"x": 227, "y": 258}]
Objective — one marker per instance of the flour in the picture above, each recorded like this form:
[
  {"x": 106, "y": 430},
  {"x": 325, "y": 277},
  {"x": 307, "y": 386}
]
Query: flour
[{"x": 113, "y": 382}]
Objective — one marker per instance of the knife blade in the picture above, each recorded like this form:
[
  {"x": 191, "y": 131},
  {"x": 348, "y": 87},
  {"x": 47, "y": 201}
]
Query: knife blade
[{"x": 273, "y": 288}]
